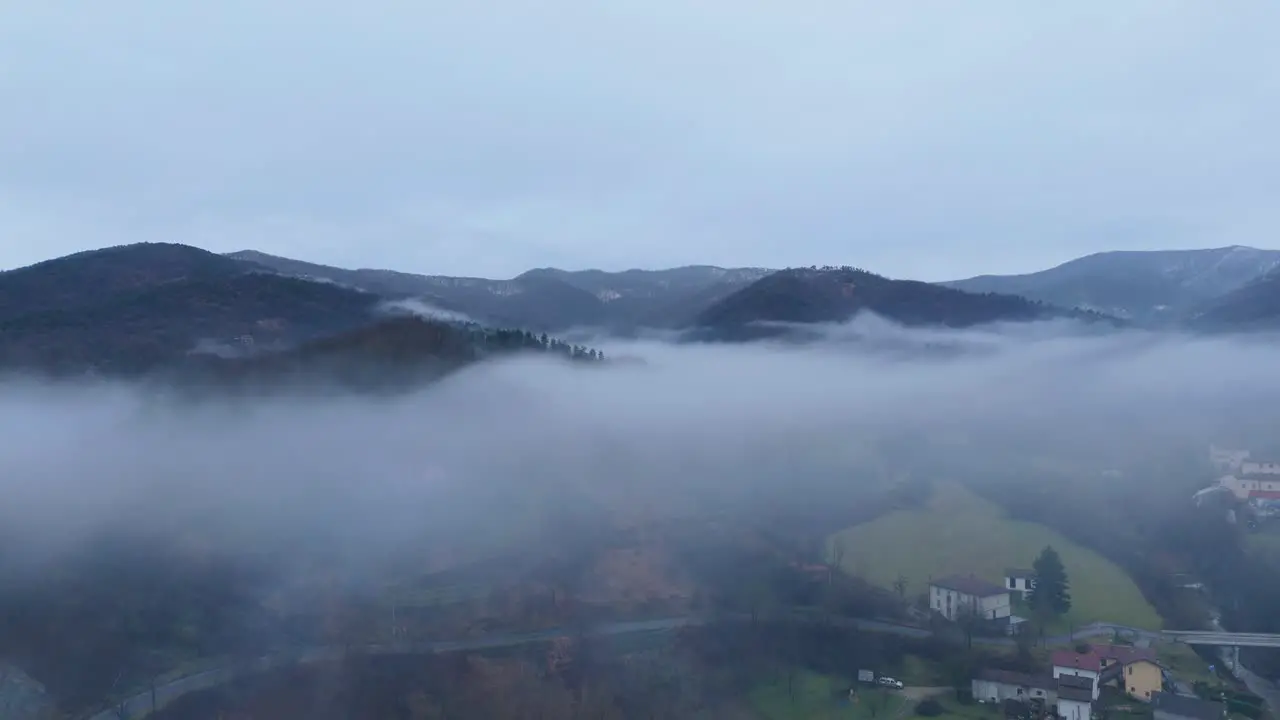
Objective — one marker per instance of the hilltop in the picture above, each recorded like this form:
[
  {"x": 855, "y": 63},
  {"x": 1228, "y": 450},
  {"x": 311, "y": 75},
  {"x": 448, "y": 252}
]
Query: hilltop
[
  {"x": 88, "y": 278},
  {"x": 831, "y": 294},
  {"x": 137, "y": 331}
]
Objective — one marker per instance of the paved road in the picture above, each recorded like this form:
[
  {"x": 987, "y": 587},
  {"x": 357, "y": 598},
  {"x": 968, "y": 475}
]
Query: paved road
[{"x": 141, "y": 704}]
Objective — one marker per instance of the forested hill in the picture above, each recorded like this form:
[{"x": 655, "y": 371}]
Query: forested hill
[
  {"x": 88, "y": 278},
  {"x": 1254, "y": 307},
  {"x": 392, "y": 355},
  {"x": 169, "y": 310},
  {"x": 831, "y": 294},
  {"x": 134, "y": 332}
]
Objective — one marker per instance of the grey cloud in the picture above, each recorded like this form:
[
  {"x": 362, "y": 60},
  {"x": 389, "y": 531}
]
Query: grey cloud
[{"x": 930, "y": 141}]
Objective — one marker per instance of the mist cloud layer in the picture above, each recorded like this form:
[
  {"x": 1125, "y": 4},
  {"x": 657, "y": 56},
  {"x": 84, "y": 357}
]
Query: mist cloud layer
[{"x": 492, "y": 456}]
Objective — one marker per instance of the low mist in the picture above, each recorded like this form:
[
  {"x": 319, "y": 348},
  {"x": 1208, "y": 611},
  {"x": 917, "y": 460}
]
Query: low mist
[{"x": 497, "y": 456}]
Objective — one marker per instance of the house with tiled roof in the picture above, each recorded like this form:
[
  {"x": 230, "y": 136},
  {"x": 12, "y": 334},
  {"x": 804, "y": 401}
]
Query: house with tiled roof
[
  {"x": 1075, "y": 697},
  {"x": 1134, "y": 670},
  {"x": 1261, "y": 489},
  {"x": 955, "y": 595}
]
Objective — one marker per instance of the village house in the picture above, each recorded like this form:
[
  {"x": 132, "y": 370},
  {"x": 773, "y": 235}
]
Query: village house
[
  {"x": 1245, "y": 488},
  {"x": 1259, "y": 491},
  {"x": 1133, "y": 670},
  {"x": 1249, "y": 467},
  {"x": 1075, "y": 697},
  {"x": 1020, "y": 581},
  {"x": 956, "y": 595},
  {"x": 1168, "y": 706}
]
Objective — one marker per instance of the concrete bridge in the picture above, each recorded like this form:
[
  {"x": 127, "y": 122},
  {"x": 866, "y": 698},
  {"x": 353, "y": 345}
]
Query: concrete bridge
[{"x": 1224, "y": 639}]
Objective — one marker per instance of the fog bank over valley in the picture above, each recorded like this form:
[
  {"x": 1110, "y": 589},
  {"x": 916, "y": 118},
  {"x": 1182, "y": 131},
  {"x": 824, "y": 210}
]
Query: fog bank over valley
[{"x": 494, "y": 453}]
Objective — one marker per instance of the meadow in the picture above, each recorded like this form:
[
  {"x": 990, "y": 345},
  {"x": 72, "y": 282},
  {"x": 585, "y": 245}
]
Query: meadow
[{"x": 958, "y": 532}]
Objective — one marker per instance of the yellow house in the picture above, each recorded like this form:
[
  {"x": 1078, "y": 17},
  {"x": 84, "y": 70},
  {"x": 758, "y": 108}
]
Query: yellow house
[
  {"x": 1139, "y": 678},
  {"x": 1133, "y": 670}
]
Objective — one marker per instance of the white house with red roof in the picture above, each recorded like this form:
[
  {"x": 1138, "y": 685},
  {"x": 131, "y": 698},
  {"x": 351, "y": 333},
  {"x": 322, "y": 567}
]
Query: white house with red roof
[{"x": 1260, "y": 490}]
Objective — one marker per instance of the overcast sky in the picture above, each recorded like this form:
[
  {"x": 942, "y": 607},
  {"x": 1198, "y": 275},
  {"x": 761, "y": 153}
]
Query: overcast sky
[{"x": 918, "y": 139}]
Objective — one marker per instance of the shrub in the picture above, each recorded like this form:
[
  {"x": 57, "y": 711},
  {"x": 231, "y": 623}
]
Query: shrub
[{"x": 929, "y": 708}]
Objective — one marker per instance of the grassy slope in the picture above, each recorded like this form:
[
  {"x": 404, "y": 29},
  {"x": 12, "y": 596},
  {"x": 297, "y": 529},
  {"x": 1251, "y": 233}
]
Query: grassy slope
[
  {"x": 1265, "y": 545},
  {"x": 818, "y": 697},
  {"x": 959, "y": 532}
]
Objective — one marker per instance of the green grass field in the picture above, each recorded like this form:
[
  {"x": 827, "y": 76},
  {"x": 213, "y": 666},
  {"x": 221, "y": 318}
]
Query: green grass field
[
  {"x": 953, "y": 710},
  {"x": 1184, "y": 663},
  {"x": 960, "y": 532},
  {"x": 1265, "y": 545},
  {"x": 821, "y": 697}
]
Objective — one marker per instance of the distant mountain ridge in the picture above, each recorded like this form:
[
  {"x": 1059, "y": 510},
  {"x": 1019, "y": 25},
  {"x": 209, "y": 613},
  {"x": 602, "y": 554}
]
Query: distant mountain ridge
[
  {"x": 130, "y": 309},
  {"x": 1159, "y": 287},
  {"x": 544, "y": 299}
]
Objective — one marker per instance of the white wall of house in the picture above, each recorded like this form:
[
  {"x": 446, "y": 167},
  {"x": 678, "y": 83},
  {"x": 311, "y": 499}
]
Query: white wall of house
[
  {"x": 1059, "y": 671},
  {"x": 951, "y": 603},
  {"x": 995, "y": 607},
  {"x": 1020, "y": 585},
  {"x": 947, "y": 603},
  {"x": 1074, "y": 709},
  {"x": 991, "y": 691},
  {"x": 1259, "y": 468},
  {"x": 1242, "y": 487},
  {"x": 988, "y": 691}
]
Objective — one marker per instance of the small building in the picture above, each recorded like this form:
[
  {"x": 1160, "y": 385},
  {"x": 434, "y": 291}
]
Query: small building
[
  {"x": 1168, "y": 706},
  {"x": 956, "y": 595},
  {"x": 1075, "y": 697},
  {"x": 1020, "y": 581},
  {"x": 1259, "y": 468},
  {"x": 1134, "y": 670},
  {"x": 995, "y": 686},
  {"x": 1261, "y": 492},
  {"x": 1073, "y": 664}
]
